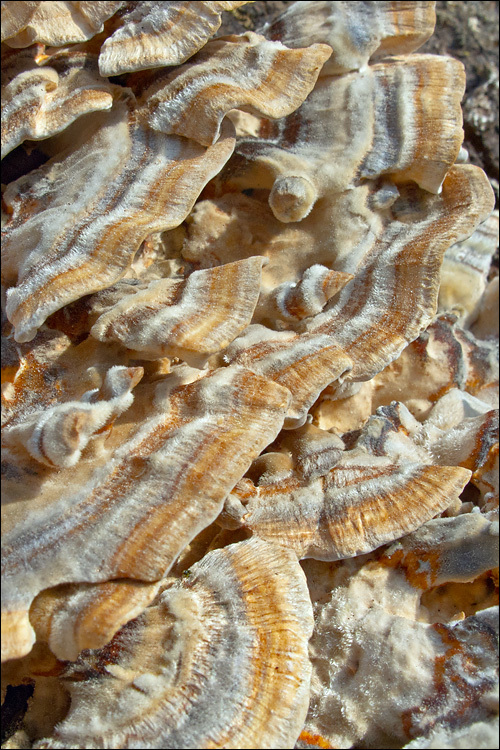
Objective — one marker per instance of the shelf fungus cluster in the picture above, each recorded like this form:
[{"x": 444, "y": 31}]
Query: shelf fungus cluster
[{"x": 249, "y": 382}]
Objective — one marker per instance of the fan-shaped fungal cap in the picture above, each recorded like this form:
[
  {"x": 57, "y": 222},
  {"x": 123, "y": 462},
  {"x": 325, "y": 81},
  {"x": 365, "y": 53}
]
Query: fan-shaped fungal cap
[
  {"x": 52, "y": 372},
  {"x": 446, "y": 549},
  {"x": 293, "y": 301},
  {"x": 194, "y": 98},
  {"x": 468, "y": 442},
  {"x": 461, "y": 430},
  {"x": 371, "y": 320},
  {"x": 74, "y": 617},
  {"x": 154, "y": 34},
  {"x": 56, "y": 436},
  {"x": 471, "y": 442},
  {"x": 233, "y": 632},
  {"x": 302, "y": 363},
  {"x": 380, "y": 490},
  {"x": 345, "y": 131},
  {"x": 356, "y": 31},
  {"x": 68, "y": 238},
  {"x": 16, "y": 15},
  {"x": 54, "y": 23},
  {"x": 361, "y": 507},
  {"x": 134, "y": 512},
  {"x": 41, "y": 100},
  {"x": 187, "y": 319},
  {"x": 314, "y": 451}
]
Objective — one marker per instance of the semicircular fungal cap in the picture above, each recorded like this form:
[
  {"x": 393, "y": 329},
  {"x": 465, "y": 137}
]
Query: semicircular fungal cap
[
  {"x": 57, "y": 436},
  {"x": 193, "y": 99},
  {"x": 54, "y": 23},
  {"x": 383, "y": 488},
  {"x": 74, "y": 617},
  {"x": 358, "y": 126},
  {"x": 372, "y": 320},
  {"x": 465, "y": 269},
  {"x": 233, "y": 632},
  {"x": 292, "y": 301},
  {"x": 189, "y": 318},
  {"x": 302, "y": 363},
  {"x": 357, "y": 32},
  {"x": 445, "y": 550},
  {"x": 154, "y": 34},
  {"x": 40, "y": 100}
]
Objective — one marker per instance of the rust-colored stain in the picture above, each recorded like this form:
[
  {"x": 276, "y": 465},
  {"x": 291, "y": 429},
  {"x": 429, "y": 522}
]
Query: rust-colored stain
[
  {"x": 451, "y": 671},
  {"x": 421, "y": 567},
  {"x": 315, "y": 740}
]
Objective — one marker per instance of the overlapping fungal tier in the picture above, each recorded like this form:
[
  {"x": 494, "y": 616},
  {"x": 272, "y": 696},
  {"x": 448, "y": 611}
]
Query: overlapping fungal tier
[
  {"x": 357, "y": 32},
  {"x": 225, "y": 419},
  {"x": 43, "y": 94},
  {"x": 211, "y": 629},
  {"x": 243, "y": 327}
]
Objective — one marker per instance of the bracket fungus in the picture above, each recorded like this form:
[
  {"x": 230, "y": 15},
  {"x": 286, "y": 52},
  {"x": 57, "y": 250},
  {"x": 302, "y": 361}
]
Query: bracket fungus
[
  {"x": 43, "y": 94},
  {"x": 249, "y": 381},
  {"x": 54, "y": 23}
]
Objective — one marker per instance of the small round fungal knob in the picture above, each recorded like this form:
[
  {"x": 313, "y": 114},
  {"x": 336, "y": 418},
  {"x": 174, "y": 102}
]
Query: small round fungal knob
[{"x": 292, "y": 198}]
